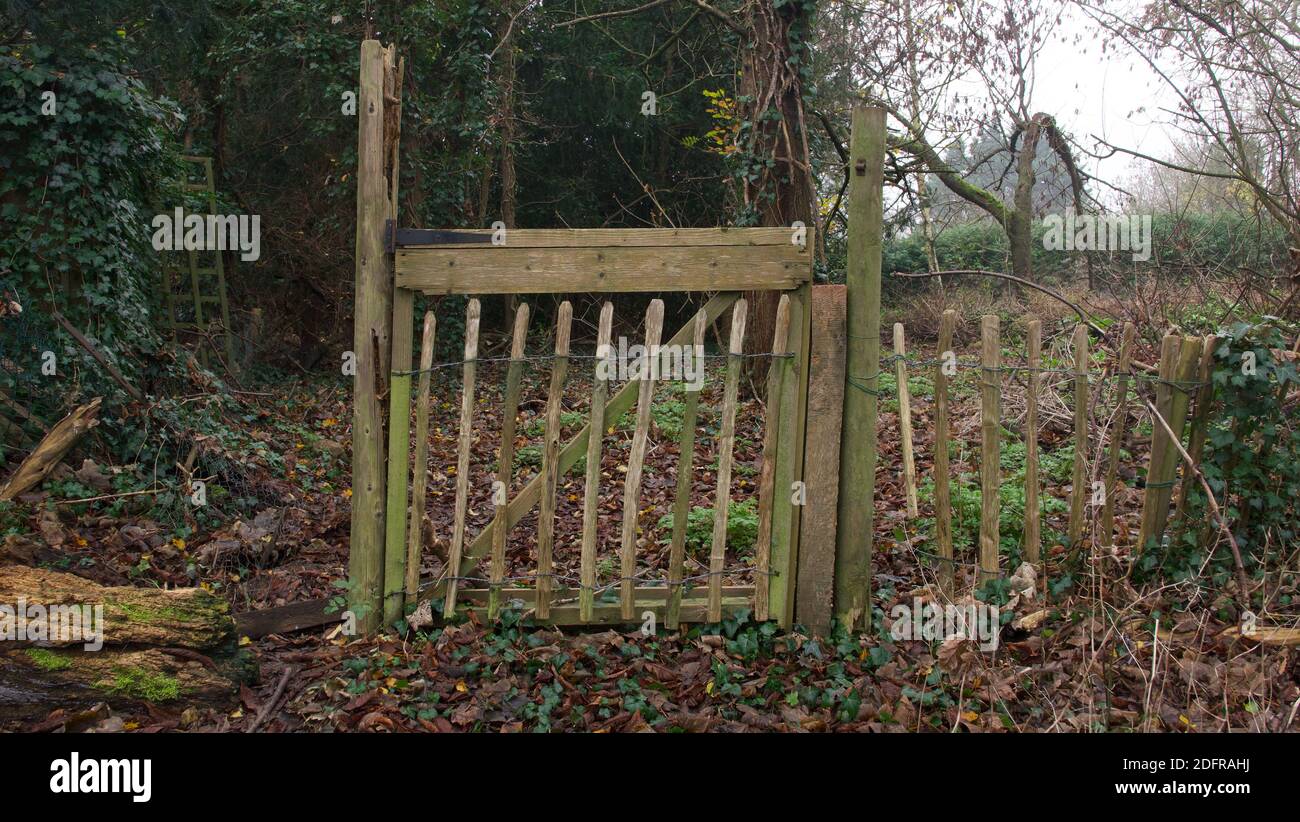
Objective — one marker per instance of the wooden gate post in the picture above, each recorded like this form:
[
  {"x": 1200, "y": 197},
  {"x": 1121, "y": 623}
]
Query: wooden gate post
[
  {"x": 370, "y": 346},
  {"x": 862, "y": 365}
]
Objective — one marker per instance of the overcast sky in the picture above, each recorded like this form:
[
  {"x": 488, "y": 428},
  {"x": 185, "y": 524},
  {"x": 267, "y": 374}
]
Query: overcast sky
[{"x": 1115, "y": 96}]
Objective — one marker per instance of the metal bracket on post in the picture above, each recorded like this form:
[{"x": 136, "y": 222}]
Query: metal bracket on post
[{"x": 395, "y": 238}]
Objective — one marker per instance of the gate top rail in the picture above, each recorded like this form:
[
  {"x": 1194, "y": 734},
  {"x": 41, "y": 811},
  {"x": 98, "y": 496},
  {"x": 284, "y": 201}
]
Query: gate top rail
[{"x": 558, "y": 261}]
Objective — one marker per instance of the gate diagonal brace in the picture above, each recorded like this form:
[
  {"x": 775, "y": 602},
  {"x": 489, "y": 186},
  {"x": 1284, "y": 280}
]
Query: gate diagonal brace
[{"x": 395, "y": 238}]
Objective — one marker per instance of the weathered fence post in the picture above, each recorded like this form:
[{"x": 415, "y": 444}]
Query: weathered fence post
[
  {"x": 1078, "y": 494},
  {"x": 415, "y": 540},
  {"x": 905, "y": 420},
  {"x": 370, "y": 345},
  {"x": 685, "y": 462},
  {"x": 726, "y": 441},
  {"x": 403, "y": 303},
  {"x": 1107, "y": 525},
  {"x": 1181, "y": 366},
  {"x": 506, "y": 459},
  {"x": 551, "y": 462},
  {"x": 990, "y": 445},
  {"x": 942, "y": 495},
  {"x": 591, "y": 491},
  {"x": 1196, "y": 439},
  {"x": 776, "y": 377},
  {"x": 654, "y": 323},
  {"x": 1033, "y": 511},
  {"x": 854, "y": 538},
  {"x": 465, "y": 437}
]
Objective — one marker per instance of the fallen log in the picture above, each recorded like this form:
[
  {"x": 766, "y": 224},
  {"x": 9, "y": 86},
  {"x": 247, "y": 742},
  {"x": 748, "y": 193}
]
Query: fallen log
[{"x": 122, "y": 645}]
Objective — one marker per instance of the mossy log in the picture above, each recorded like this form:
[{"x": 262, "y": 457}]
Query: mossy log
[
  {"x": 183, "y": 618},
  {"x": 176, "y": 646}
]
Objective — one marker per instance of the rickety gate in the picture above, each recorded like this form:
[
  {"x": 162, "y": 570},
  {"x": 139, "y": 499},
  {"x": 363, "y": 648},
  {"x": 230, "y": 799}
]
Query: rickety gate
[
  {"x": 613, "y": 260},
  {"x": 393, "y": 264}
]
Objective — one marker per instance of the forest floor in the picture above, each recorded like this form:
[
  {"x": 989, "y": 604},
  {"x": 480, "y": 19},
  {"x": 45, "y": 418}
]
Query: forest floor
[{"x": 1082, "y": 649}]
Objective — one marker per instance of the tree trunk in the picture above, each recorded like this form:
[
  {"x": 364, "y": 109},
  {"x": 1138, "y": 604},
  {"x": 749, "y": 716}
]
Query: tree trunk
[{"x": 783, "y": 194}]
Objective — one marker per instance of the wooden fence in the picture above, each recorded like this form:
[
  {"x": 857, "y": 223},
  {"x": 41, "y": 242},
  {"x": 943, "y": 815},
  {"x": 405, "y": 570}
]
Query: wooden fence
[
  {"x": 1175, "y": 396},
  {"x": 394, "y": 264}
]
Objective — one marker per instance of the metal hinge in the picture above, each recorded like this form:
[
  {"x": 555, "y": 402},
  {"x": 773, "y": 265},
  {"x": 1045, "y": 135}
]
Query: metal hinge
[{"x": 395, "y": 238}]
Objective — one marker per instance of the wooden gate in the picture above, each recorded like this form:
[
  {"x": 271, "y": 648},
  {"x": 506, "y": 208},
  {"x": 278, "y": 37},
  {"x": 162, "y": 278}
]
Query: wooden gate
[
  {"x": 394, "y": 264},
  {"x": 607, "y": 261}
]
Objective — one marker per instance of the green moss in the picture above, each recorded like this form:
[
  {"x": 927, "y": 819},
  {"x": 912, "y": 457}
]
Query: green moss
[
  {"x": 139, "y": 683},
  {"x": 48, "y": 660},
  {"x": 179, "y": 613}
]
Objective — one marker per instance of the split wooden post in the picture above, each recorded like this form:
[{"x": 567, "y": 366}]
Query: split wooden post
[
  {"x": 551, "y": 462},
  {"x": 726, "y": 439},
  {"x": 462, "y": 458},
  {"x": 776, "y": 378},
  {"x": 855, "y": 536},
  {"x": 506, "y": 459},
  {"x": 990, "y": 446},
  {"x": 942, "y": 492},
  {"x": 591, "y": 493},
  {"x": 1196, "y": 439},
  {"x": 1107, "y": 525},
  {"x": 685, "y": 463},
  {"x": 399, "y": 418},
  {"x": 654, "y": 321},
  {"x": 787, "y": 520},
  {"x": 1033, "y": 508},
  {"x": 420, "y": 471},
  {"x": 370, "y": 340},
  {"x": 1079, "y": 493},
  {"x": 905, "y": 420}
]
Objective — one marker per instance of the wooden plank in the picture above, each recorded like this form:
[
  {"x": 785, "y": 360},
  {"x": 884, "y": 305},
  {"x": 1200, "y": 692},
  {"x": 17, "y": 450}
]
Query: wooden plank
[
  {"x": 576, "y": 447},
  {"x": 990, "y": 445},
  {"x": 776, "y": 376},
  {"x": 369, "y": 346},
  {"x": 942, "y": 471},
  {"x": 685, "y": 473},
  {"x": 1107, "y": 524},
  {"x": 654, "y": 323},
  {"x": 462, "y": 457},
  {"x": 550, "y": 460},
  {"x": 726, "y": 443},
  {"x": 420, "y": 473},
  {"x": 905, "y": 420},
  {"x": 506, "y": 455},
  {"x": 1079, "y": 491},
  {"x": 815, "y": 593},
  {"x": 632, "y": 238},
  {"x": 591, "y": 491},
  {"x": 500, "y": 270},
  {"x": 864, "y": 209},
  {"x": 284, "y": 619}
]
